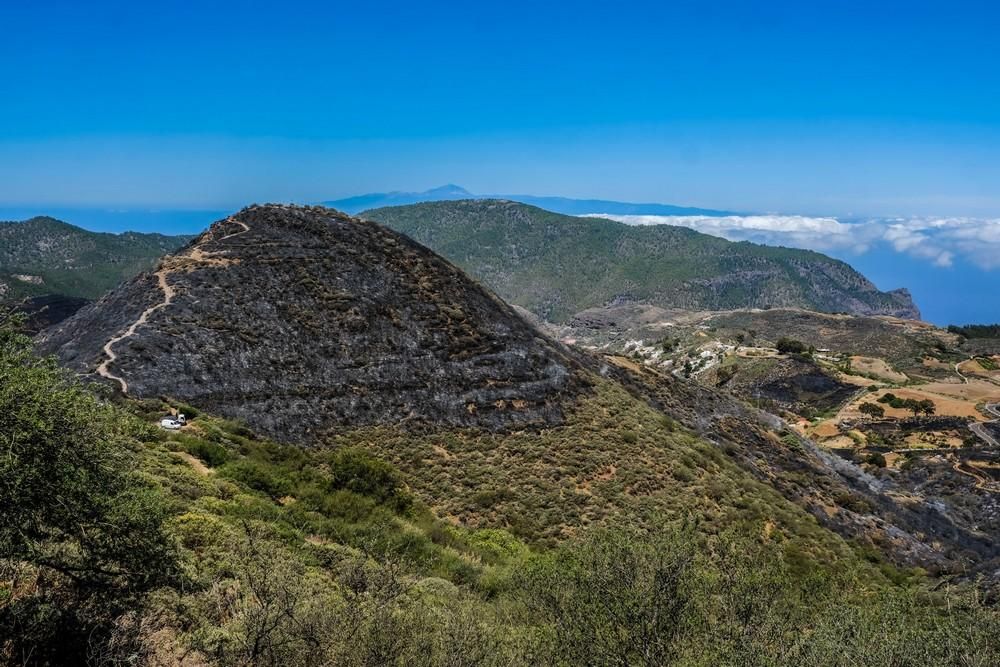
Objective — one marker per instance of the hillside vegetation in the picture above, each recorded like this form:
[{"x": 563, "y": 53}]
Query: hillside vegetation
[
  {"x": 556, "y": 265},
  {"x": 46, "y": 256},
  {"x": 387, "y": 464},
  {"x": 124, "y": 545},
  {"x": 314, "y": 328}
]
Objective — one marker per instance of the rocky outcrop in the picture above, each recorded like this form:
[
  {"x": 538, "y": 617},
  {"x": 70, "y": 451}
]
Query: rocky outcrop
[{"x": 298, "y": 320}]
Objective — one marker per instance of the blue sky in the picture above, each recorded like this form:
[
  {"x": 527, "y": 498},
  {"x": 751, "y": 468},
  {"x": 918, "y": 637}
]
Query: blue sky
[{"x": 816, "y": 108}]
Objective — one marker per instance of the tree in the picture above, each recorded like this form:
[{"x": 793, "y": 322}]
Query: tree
[
  {"x": 791, "y": 346},
  {"x": 81, "y": 535},
  {"x": 888, "y": 398},
  {"x": 872, "y": 410}
]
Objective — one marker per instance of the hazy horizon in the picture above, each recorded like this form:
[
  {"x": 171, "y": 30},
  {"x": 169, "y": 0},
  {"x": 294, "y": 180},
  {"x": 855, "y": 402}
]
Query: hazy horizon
[
  {"x": 884, "y": 118},
  {"x": 853, "y": 109}
]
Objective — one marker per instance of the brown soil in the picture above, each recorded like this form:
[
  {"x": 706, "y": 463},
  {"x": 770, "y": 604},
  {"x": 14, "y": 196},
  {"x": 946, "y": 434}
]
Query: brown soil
[
  {"x": 877, "y": 367},
  {"x": 195, "y": 463}
]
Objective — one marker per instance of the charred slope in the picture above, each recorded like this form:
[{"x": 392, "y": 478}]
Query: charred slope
[
  {"x": 44, "y": 311},
  {"x": 299, "y": 320}
]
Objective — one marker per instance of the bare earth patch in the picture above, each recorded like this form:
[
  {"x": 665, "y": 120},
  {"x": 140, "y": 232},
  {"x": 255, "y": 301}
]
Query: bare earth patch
[
  {"x": 955, "y": 405},
  {"x": 877, "y": 367},
  {"x": 195, "y": 463}
]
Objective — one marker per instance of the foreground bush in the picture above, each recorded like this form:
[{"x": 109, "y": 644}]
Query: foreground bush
[{"x": 80, "y": 537}]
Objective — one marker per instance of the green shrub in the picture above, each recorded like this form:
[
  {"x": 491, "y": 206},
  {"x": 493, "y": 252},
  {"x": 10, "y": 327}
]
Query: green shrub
[
  {"x": 258, "y": 476},
  {"x": 872, "y": 409},
  {"x": 358, "y": 471},
  {"x": 80, "y": 529},
  {"x": 211, "y": 453},
  {"x": 791, "y": 346}
]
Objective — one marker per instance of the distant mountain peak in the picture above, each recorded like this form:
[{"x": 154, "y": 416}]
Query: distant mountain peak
[
  {"x": 449, "y": 189},
  {"x": 565, "y": 205}
]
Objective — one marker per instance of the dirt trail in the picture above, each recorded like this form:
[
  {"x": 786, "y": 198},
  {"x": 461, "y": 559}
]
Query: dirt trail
[
  {"x": 959, "y": 373},
  {"x": 196, "y": 254},
  {"x": 168, "y": 295},
  {"x": 196, "y": 463},
  {"x": 982, "y": 481}
]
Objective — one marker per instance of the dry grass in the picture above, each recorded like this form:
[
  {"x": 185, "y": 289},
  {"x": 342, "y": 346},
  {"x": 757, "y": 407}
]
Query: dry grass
[
  {"x": 878, "y": 368},
  {"x": 961, "y": 404},
  {"x": 857, "y": 380},
  {"x": 976, "y": 391}
]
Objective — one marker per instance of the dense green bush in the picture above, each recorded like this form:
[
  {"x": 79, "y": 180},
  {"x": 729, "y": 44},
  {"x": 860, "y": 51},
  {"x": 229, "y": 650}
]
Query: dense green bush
[
  {"x": 211, "y": 453},
  {"x": 81, "y": 536},
  {"x": 790, "y": 346},
  {"x": 358, "y": 471},
  {"x": 258, "y": 476}
]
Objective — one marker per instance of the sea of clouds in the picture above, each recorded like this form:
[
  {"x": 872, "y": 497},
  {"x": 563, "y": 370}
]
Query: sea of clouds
[{"x": 940, "y": 241}]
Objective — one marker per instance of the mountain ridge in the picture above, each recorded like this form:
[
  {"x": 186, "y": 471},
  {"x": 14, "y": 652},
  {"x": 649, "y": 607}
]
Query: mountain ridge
[
  {"x": 557, "y": 265},
  {"x": 43, "y": 256},
  {"x": 320, "y": 329},
  {"x": 565, "y": 205}
]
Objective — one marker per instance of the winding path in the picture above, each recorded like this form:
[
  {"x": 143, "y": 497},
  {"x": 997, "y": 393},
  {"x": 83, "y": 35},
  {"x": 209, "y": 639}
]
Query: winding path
[
  {"x": 979, "y": 428},
  {"x": 959, "y": 373},
  {"x": 196, "y": 254},
  {"x": 982, "y": 481}
]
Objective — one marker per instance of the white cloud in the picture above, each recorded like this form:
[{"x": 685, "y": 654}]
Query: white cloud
[{"x": 941, "y": 241}]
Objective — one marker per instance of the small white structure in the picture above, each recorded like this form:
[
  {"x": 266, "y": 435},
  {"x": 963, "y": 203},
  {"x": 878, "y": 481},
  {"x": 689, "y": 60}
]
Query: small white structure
[{"x": 172, "y": 422}]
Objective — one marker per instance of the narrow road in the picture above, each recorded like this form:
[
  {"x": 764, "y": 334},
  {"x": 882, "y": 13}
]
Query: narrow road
[
  {"x": 196, "y": 254},
  {"x": 959, "y": 373},
  {"x": 979, "y": 428},
  {"x": 984, "y": 435}
]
